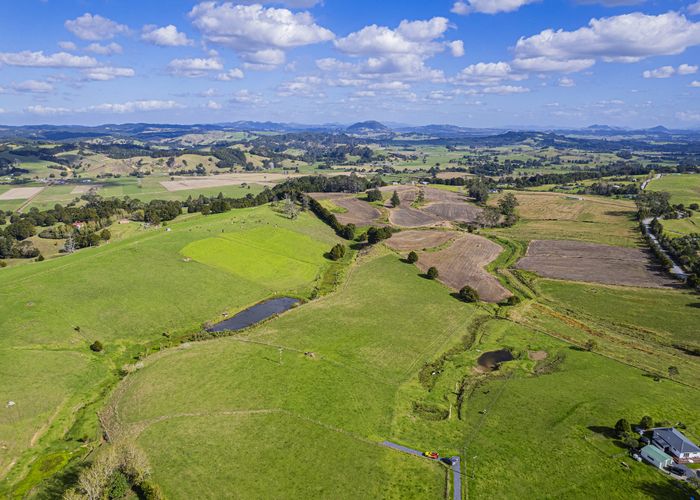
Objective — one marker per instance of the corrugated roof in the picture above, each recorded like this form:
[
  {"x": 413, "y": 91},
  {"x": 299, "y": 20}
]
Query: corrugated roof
[{"x": 656, "y": 453}]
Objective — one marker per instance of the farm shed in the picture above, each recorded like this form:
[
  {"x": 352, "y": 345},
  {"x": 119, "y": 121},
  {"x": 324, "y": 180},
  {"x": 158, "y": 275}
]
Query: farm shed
[
  {"x": 655, "y": 456},
  {"x": 673, "y": 442}
]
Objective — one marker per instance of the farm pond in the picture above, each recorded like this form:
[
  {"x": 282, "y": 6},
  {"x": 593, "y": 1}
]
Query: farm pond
[
  {"x": 254, "y": 314},
  {"x": 492, "y": 359}
]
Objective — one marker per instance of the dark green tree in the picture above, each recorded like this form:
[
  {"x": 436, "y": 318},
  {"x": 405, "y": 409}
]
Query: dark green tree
[
  {"x": 374, "y": 195},
  {"x": 646, "y": 422},
  {"x": 96, "y": 346},
  {"x": 432, "y": 273},
  {"x": 395, "y": 200},
  {"x": 337, "y": 252},
  {"x": 412, "y": 257},
  {"x": 622, "y": 428},
  {"x": 468, "y": 294}
]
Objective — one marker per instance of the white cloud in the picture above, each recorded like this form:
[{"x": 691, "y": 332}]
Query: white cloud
[
  {"x": 89, "y": 27},
  {"x": 505, "y": 89},
  {"x": 39, "y": 60},
  {"x": 247, "y": 97},
  {"x": 260, "y": 35},
  {"x": 611, "y": 3},
  {"x": 410, "y": 37},
  {"x": 135, "y": 106},
  {"x": 694, "y": 9},
  {"x": 194, "y": 68},
  {"x": 457, "y": 48},
  {"x": 545, "y": 64},
  {"x": 46, "y": 110},
  {"x": 67, "y": 45},
  {"x": 301, "y": 86},
  {"x": 105, "y": 73},
  {"x": 687, "y": 69},
  {"x": 33, "y": 86},
  {"x": 488, "y": 6},
  {"x": 104, "y": 50},
  {"x": 662, "y": 72},
  {"x": 695, "y": 84},
  {"x": 232, "y": 74},
  {"x": 566, "y": 82},
  {"x": 487, "y": 74},
  {"x": 213, "y": 105},
  {"x": 167, "y": 36},
  {"x": 626, "y": 38}
]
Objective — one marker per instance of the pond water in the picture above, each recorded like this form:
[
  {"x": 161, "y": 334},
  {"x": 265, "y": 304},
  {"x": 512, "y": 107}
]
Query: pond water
[
  {"x": 490, "y": 360},
  {"x": 254, "y": 314}
]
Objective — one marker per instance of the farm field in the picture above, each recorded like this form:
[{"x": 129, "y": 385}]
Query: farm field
[
  {"x": 684, "y": 188},
  {"x": 405, "y": 241},
  {"x": 591, "y": 262},
  {"x": 463, "y": 263},
  {"x": 553, "y": 216},
  {"x": 332, "y": 383},
  {"x": 350, "y": 209},
  {"x": 126, "y": 294}
]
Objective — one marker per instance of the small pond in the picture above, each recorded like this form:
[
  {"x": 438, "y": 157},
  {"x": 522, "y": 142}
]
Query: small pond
[
  {"x": 491, "y": 359},
  {"x": 254, "y": 314}
]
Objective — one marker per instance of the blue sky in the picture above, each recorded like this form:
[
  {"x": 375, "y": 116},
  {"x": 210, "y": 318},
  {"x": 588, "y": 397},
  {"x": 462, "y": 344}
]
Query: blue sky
[{"x": 477, "y": 63}]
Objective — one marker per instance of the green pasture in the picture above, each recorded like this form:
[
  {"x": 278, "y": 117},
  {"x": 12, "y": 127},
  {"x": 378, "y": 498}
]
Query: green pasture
[
  {"x": 684, "y": 188},
  {"x": 126, "y": 294}
]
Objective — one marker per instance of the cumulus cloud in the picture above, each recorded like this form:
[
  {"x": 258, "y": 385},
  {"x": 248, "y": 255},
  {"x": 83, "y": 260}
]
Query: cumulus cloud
[
  {"x": 104, "y": 50},
  {"x": 301, "y": 86},
  {"x": 135, "y": 106},
  {"x": 67, "y": 45},
  {"x": 246, "y": 97},
  {"x": 195, "y": 67},
  {"x": 457, "y": 48},
  {"x": 669, "y": 71},
  {"x": 33, "y": 86},
  {"x": 38, "y": 59},
  {"x": 488, "y": 6},
  {"x": 46, "y": 110},
  {"x": 695, "y": 84},
  {"x": 94, "y": 28},
  {"x": 232, "y": 74},
  {"x": 487, "y": 74},
  {"x": 694, "y": 9},
  {"x": 625, "y": 38},
  {"x": 611, "y": 3},
  {"x": 167, "y": 36},
  {"x": 259, "y": 35},
  {"x": 213, "y": 105},
  {"x": 105, "y": 73},
  {"x": 566, "y": 82}
]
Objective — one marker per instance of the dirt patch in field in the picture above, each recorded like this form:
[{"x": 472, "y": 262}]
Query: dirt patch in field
[
  {"x": 185, "y": 183},
  {"x": 463, "y": 263},
  {"x": 85, "y": 189},
  {"x": 537, "y": 355},
  {"x": 20, "y": 193},
  {"x": 405, "y": 216},
  {"x": 594, "y": 263},
  {"x": 419, "y": 240},
  {"x": 359, "y": 212}
]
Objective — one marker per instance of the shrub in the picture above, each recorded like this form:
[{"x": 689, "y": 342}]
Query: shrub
[
  {"x": 105, "y": 235},
  {"x": 151, "y": 491},
  {"x": 3, "y": 264},
  {"x": 40, "y": 258},
  {"x": 374, "y": 195},
  {"x": 118, "y": 485},
  {"x": 412, "y": 257},
  {"x": 590, "y": 345},
  {"x": 468, "y": 294},
  {"x": 96, "y": 346},
  {"x": 432, "y": 273},
  {"x": 395, "y": 200},
  {"x": 646, "y": 422},
  {"x": 337, "y": 252},
  {"x": 513, "y": 300}
]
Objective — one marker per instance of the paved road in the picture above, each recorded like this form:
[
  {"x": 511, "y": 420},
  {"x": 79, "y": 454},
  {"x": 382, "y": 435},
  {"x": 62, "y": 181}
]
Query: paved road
[
  {"x": 456, "y": 479},
  {"x": 676, "y": 270},
  {"x": 456, "y": 469}
]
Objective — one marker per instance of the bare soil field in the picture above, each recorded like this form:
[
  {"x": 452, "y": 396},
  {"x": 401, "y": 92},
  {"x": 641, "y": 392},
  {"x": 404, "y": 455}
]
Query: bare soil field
[
  {"x": 85, "y": 189},
  {"x": 419, "y": 240},
  {"x": 236, "y": 179},
  {"x": 20, "y": 193},
  {"x": 359, "y": 212},
  {"x": 405, "y": 216},
  {"x": 463, "y": 262},
  {"x": 595, "y": 263},
  {"x": 454, "y": 211}
]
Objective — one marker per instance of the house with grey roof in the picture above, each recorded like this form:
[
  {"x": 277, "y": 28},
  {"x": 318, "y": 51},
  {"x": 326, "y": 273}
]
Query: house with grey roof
[{"x": 674, "y": 443}]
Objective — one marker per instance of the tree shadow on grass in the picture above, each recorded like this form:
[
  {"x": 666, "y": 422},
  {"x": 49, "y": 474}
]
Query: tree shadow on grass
[
  {"x": 695, "y": 305},
  {"x": 666, "y": 490},
  {"x": 603, "y": 430}
]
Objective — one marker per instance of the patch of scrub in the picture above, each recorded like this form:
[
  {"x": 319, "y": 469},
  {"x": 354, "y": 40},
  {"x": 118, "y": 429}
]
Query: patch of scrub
[{"x": 276, "y": 258}]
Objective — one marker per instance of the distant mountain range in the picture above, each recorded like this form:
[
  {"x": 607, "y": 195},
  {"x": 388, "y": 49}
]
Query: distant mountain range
[{"x": 366, "y": 129}]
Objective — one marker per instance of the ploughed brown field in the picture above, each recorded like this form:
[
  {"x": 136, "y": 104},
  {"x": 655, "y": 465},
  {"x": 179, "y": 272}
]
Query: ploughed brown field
[
  {"x": 595, "y": 263},
  {"x": 419, "y": 240},
  {"x": 463, "y": 263},
  {"x": 440, "y": 206},
  {"x": 359, "y": 212}
]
